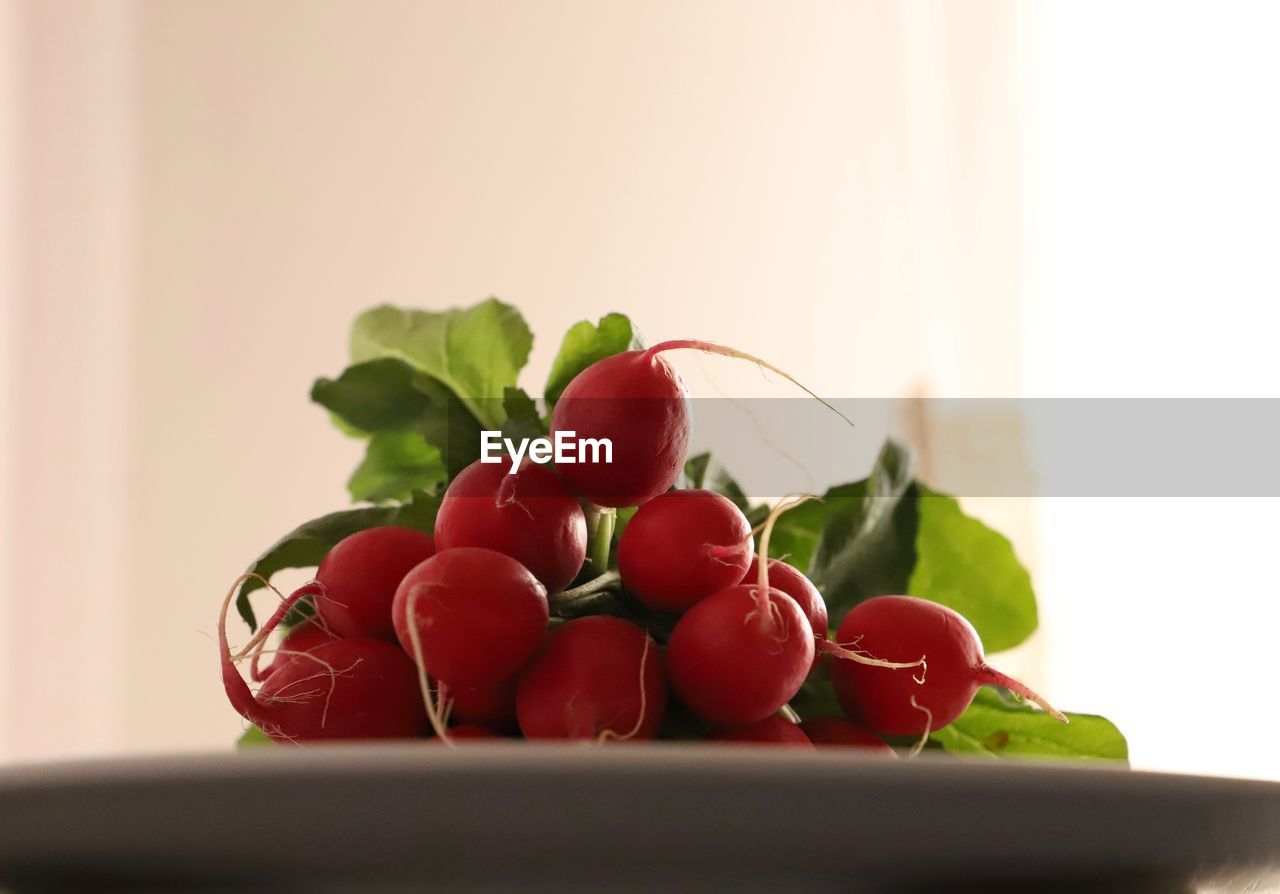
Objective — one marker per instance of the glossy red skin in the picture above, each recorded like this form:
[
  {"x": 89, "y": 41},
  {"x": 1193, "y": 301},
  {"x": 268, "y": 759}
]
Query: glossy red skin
[
  {"x": 586, "y": 680},
  {"x": 360, "y": 576},
  {"x": 773, "y": 730},
  {"x": 840, "y": 733},
  {"x": 489, "y": 706},
  {"x": 791, "y": 581},
  {"x": 726, "y": 669},
  {"x": 480, "y": 615},
  {"x": 301, "y": 638},
  {"x": 372, "y": 693},
  {"x": 638, "y": 401},
  {"x": 531, "y": 516},
  {"x": 682, "y": 546},
  {"x": 903, "y": 628}
]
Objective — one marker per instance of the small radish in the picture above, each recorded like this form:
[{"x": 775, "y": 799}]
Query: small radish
[
  {"x": 489, "y": 706},
  {"x": 838, "y": 732},
  {"x": 360, "y": 575},
  {"x": 477, "y": 616},
  {"x": 682, "y": 546},
  {"x": 740, "y": 654},
  {"x": 791, "y": 581},
  {"x": 530, "y": 515},
  {"x": 301, "y": 638},
  {"x": 896, "y": 702},
  {"x": 773, "y": 730},
  {"x": 640, "y": 404},
  {"x": 596, "y": 678},
  {"x": 344, "y": 689}
]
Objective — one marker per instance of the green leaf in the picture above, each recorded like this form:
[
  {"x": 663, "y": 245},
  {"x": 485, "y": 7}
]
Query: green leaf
[
  {"x": 891, "y": 534},
  {"x": 523, "y": 420},
  {"x": 475, "y": 352},
  {"x": 375, "y": 396},
  {"x": 419, "y": 513},
  {"x": 701, "y": 471},
  {"x": 695, "y": 471},
  {"x": 798, "y": 530},
  {"x": 307, "y": 545},
  {"x": 584, "y": 344},
  {"x": 965, "y": 565},
  {"x": 389, "y": 396},
  {"x": 996, "y": 725},
  {"x": 867, "y": 545},
  {"x": 396, "y": 463},
  {"x": 817, "y": 698},
  {"x": 253, "y": 738},
  {"x": 449, "y": 426}
]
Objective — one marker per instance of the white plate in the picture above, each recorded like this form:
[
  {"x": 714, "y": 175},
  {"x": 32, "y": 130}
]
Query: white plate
[{"x": 558, "y": 818}]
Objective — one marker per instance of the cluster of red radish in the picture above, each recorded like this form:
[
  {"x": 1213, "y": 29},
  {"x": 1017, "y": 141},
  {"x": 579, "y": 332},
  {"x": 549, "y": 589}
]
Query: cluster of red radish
[{"x": 452, "y": 635}]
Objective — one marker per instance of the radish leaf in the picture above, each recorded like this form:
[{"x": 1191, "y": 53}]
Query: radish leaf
[
  {"x": 523, "y": 420},
  {"x": 701, "y": 471},
  {"x": 967, "y": 566},
  {"x": 253, "y": 738},
  {"x": 996, "y": 725},
  {"x": 584, "y": 344},
  {"x": 307, "y": 545},
  {"x": 475, "y": 352},
  {"x": 396, "y": 463},
  {"x": 867, "y": 544},
  {"x": 373, "y": 396},
  {"x": 389, "y": 396}
]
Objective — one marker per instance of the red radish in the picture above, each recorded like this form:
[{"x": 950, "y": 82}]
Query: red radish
[
  {"x": 466, "y": 732},
  {"x": 478, "y": 616},
  {"x": 740, "y": 654},
  {"x": 838, "y": 732},
  {"x": 791, "y": 581},
  {"x": 301, "y": 638},
  {"x": 895, "y": 702},
  {"x": 640, "y": 404},
  {"x": 773, "y": 730},
  {"x": 596, "y": 678},
  {"x": 360, "y": 575},
  {"x": 531, "y": 516},
  {"x": 489, "y": 706},
  {"x": 683, "y": 546},
  {"x": 344, "y": 689}
]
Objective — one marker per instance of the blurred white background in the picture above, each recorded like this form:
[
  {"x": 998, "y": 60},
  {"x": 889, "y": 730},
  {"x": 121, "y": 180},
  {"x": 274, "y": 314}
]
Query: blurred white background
[{"x": 968, "y": 198}]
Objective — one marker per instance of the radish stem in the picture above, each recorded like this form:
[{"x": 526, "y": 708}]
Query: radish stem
[
  {"x": 595, "y": 591},
  {"x": 600, "y": 525}
]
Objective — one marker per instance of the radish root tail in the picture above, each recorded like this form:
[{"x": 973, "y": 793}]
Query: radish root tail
[
  {"x": 419, "y": 659},
  {"x": 928, "y": 728},
  {"x": 708, "y": 347},
  {"x": 810, "y": 483},
  {"x": 242, "y": 698},
  {"x": 989, "y": 674},
  {"x": 840, "y": 651},
  {"x": 790, "y": 501},
  {"x": 608, "y": 734}
]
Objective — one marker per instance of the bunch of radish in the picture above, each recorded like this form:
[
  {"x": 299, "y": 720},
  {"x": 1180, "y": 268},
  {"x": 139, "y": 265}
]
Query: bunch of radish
[{"x": 474, "y": 631}]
